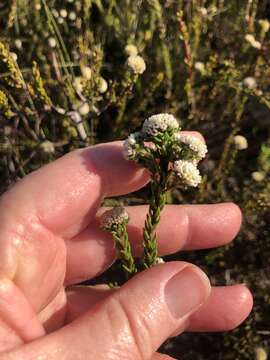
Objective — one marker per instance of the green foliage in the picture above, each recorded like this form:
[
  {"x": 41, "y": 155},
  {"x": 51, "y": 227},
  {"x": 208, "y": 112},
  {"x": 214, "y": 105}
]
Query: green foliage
[{"x": 207, "y": 62}]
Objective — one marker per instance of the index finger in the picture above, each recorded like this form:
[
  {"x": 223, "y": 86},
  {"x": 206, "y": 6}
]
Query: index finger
[{"x": 65, "y": 194}]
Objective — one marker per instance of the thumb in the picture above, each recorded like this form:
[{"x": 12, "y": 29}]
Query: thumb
[{"x": 131, "y": 323}]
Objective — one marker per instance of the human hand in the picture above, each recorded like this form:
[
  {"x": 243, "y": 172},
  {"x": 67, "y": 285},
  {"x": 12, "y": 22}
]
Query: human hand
[{"x": 50, "y": 238}]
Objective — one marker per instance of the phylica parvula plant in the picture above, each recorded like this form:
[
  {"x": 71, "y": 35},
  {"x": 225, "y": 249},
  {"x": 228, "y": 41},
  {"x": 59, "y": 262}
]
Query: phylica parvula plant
[{"x": 172, "y": 158}]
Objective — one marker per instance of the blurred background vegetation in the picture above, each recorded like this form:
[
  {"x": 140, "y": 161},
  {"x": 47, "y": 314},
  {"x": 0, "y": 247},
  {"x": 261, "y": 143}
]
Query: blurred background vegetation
[{"x": 65, "y": 83}]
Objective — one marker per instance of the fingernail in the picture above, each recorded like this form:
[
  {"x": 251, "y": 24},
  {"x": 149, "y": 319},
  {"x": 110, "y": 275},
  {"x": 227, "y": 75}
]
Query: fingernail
[{"x": 186, "y": 291}]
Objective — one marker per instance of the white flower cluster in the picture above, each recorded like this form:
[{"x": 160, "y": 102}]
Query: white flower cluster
[
  {"x": 131, "y": 50},
  {"x": 160, "y": 138},
  {"x": 258, "y": 176},
  {"x": 129, "y": 147},
  {"x": 102, "y": 85},
  {"x": 250, "y": 82},
  {"x": 47, "y": 147},
  {"x": 194, "y": 143},
  {"x": 240, "y": 142},
  {"x": 86, "y": 72},
  {"x": 265, "y": 25},
  {"x": 159, "y": 123},
  {"x": 114, "y": 217},
  {"x": 200, "y": 66},
  {"x": 253, "y": 42},
  {"x": 136, "y": 64},
  {"x": 187, "y": 172}
]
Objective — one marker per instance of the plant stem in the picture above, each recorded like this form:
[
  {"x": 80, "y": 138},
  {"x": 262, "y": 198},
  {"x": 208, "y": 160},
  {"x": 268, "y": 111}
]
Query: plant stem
[
  {"x": 120, "y": 237},
  {"x": 158, "y": 200}
]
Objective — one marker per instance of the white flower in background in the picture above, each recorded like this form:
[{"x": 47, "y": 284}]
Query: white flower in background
[
  {"x": 187, "y": 172},
  {"x": 102, "y": 85},
  {"x": 14, "y": 56},
  {"x": 63, "y": 13},
  {"x": 55, "y": 13},
  {"x": 131, "y": 50},
  {"x": 78, "y": 84},
  {"x": 253, "y": 42},
  {"x": 18, "y": 43},
  {"x": 84, "y": 109},
  {"x": 129, "y": 146},
  {"x": 240, "y": 142},
  {"x": 159, "y": 123},
  {"x": 261, "y": 353},
  {"x": 38, "y": 6},
  {"x": 258, "y": 176},
  {"x": 86, "y": 72},
  {"x": 199, "y": 66},
  {"x": 250, "y": 82},
  {"x": 114, "y": 217},
  {"x": 72, "y": 16},
  {"x": 47, "y": 147},
  {"x": 52, "y": 42},
  {"x": 193, "y": 142},
  {"x": 203, "y": 11},
  {"x": 137, "y": 64},
  {"x": 265, "y": 25}
]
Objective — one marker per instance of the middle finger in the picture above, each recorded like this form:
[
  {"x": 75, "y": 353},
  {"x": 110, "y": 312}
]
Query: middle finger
[{"x": 181, "y": 227}]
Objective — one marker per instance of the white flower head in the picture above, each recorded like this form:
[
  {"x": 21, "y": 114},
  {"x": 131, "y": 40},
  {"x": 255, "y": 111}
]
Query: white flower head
[
  {"x": 240, "y": 142},
  {"x": 258, "y": 176},
  {"x": 55, "y": 13},
  {"x": 18, "y": 43},
  {"x": 14, "y": 56},
  {"x": 253, "y": 42},
  {"x": 102, "y": 85},
  {"x": 193, "y": 142},
  {"x": 159, "y": 123},
  {"x": 52, "y": 42},
  {"x": 63, "y": 13},
  {"x": 203, "y": 11},
  {"x": 137, "y": 64},
  {"x": 84, "y": 109},
  {"x": 47, "y": 147},
  {"x": 129, "y": 146},
  {"x": 265, "y": 25},
  {"x": 199, "y": 66},
  {"x": 113, "y": 218},
  {"x": 187, "y": 172},
  {"x": 131, "y": 50},
  {"x": 250, "y": 82},
  {"x": 78, "y": 84},
  {"x": 86, "y": 72},
  {"x": 72, "y": 16}
]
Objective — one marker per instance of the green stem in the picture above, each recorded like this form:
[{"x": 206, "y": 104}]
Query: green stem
[
  {"x": 122, "y": 243},
  {"x": 158, "y": 200}
]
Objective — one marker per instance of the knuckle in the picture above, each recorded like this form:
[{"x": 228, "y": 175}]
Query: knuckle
[{"x": 135, "y": 340}]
